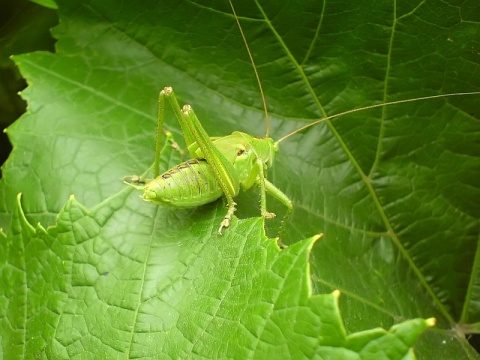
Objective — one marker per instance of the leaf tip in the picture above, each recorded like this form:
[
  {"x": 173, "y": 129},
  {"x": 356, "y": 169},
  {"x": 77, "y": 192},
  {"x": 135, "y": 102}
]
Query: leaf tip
[
  {"x": 21, "y": 213},
  {"x": 336, "y": 294},
  {"x": 316, "y": 237}
]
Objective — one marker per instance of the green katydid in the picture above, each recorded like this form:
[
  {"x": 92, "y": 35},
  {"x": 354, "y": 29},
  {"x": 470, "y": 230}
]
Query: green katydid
[{"x": 220, "y": 166}]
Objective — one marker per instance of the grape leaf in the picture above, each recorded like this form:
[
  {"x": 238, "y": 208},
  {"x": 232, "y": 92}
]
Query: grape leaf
[{"x": 105, "y": 282}]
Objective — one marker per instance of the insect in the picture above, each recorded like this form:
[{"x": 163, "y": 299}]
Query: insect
[{"x": 221, "y": 166}]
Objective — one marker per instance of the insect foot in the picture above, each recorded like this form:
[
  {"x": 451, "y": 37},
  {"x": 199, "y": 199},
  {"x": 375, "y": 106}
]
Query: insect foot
[
  {"x": 134, "y": 179},
  {"x": 280, "y": 244},
  {"x": 132, "y": 182},
  {"x": 227, "y": 219},
  {"x": 173, "y": 143},
  {"x": 268, "y": 215}
]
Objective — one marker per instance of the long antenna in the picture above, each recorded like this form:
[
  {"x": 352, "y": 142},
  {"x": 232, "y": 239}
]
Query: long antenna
[
  {"x": 267, "y": 122},
  {"x": 372, "y": 107}
]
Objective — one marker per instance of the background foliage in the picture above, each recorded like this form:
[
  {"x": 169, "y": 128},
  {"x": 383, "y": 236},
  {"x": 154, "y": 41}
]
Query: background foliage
[
  {"x": 24, "y": 27},
  {"x": 394, "y": 190}
]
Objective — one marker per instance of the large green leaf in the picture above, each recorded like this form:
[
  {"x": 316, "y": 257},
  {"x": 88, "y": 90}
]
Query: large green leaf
[
  {"x": 98, "y": 286},
  {"x": 394, "y": 189}
]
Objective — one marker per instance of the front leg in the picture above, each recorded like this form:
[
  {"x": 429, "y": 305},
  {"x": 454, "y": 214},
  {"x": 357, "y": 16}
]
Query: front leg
[
  {"x": 280, "y": 196},
  {"x": 267, "y": 186}
]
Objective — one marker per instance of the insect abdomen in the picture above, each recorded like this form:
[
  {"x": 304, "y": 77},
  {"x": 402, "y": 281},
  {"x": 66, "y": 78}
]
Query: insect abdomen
[{"x": 189, "y": 184}]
